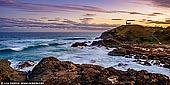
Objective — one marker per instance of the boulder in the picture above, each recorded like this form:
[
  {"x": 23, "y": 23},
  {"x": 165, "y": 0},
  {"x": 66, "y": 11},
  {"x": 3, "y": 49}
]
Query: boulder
[
  {"x": 8, "y": 74},
  {"x": 50, "y": 70}
]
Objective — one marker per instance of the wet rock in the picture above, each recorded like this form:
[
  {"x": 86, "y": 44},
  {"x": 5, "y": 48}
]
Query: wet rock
[
  {"x": 166, "y": 65},
  {"x": 97, "y": 38},
  {"x": 25, "y": 64},
  {"x": 128, "y": 56},
  {"x": 151, "y": 57},
  {"x": 137, "y": 56},
  {"x": 147, "y": 63},
  {"x": 137, "y": 60},
  {"x": 107, "y": 43},
  {"x": 143, "y": 57},
  {"x": 7, "y": 73},
  {"x": 121, "y": 64},
  {"x": 118, "y": 52},
  {"x": 76, "y": 44},
  {"x": 156, "y": 62},
  {"x": 142, "y": 62},
  {"x": 92, "y": 61}
]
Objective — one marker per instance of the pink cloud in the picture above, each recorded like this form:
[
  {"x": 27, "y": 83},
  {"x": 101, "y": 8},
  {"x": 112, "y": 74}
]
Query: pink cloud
[{"x": 34, "y": 7}]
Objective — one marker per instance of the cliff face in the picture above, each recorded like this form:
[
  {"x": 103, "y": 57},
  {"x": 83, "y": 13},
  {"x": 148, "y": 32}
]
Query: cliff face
[{"x": 138, "y": 34}]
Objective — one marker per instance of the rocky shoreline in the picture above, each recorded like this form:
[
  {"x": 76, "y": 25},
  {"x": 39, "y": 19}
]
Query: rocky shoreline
[
  {"x": 52, "y": 71},
  {"x": 145, "y": 54},
  {"x": 135, "y": 41},
  {"x": 157, "y": 55}
]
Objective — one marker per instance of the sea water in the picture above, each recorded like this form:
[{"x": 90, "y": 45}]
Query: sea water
[{"x": 21, "y": 46}]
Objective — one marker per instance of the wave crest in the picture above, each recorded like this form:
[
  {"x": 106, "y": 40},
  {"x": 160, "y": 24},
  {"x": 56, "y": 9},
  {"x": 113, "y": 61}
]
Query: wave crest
[{"x": 17, "y": 49}]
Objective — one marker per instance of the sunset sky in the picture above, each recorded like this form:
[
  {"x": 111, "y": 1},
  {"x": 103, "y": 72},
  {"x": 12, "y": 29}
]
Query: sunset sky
[{"x": 80, "y": 15}]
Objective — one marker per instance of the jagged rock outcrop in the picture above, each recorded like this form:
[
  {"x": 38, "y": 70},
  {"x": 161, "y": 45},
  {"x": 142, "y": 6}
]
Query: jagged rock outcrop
[{"x": 7, "y": 73}]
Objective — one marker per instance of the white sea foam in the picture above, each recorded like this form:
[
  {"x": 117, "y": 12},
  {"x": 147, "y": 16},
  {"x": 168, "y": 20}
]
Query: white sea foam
[
  {"x": 26, "y": 69},
  {"x": 45, "y": 44},
  {"x": 17, "y": 48},
  {"x": 98, "y": 56}
]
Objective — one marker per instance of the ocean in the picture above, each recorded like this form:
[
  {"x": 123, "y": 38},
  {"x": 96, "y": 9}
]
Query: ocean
[{"x": 22, "y": 46}]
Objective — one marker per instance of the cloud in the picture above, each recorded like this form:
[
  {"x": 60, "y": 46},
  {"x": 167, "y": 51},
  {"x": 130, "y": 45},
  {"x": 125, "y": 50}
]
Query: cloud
[
  {"x": 89, "y": 15},
  {"x": 156, "y": 3},
  {"x": 167, "y": 21},
  {"x": 65, "y": 24},
  {"x": 44, "y": 17},
  {"x": 117, "y": 19},
  {"x": 155, "y": 14},
  {"x": 162, "y": 3},
  {"x": 152, "y": 14},
  {"x": 86, "y": 20},
  {"x": 148, "y": 21},
  {"x": 56, "y": 19},
  {"x": 67, "y": 21},
  {"x": 34, "y": 7},
  {"x": 52, "y": 20},
  {"x": 130, "y": 20},
  {"x": 34, "y": 19}
]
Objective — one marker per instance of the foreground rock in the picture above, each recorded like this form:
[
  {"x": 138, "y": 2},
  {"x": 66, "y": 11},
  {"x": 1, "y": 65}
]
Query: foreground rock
[
  {"x": 9, "y": 74},
  {"x": 52, "y": 71}
]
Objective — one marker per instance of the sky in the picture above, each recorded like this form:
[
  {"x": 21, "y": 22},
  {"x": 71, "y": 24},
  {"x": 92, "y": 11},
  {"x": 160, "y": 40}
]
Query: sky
[{"x": 80, "y": 15}]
